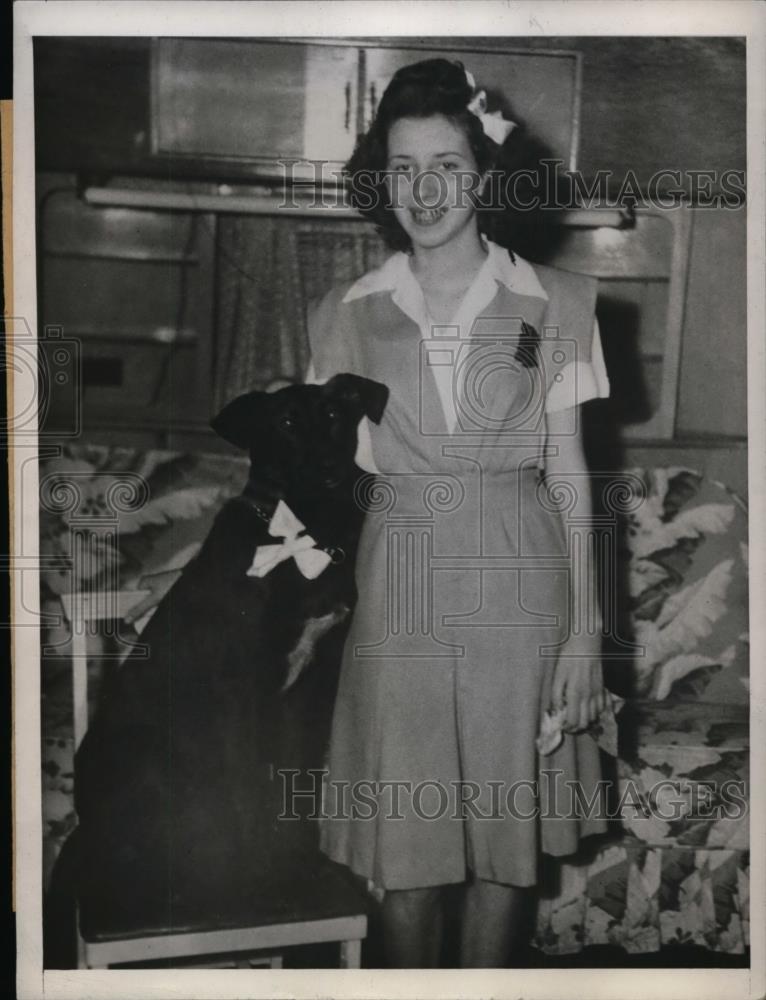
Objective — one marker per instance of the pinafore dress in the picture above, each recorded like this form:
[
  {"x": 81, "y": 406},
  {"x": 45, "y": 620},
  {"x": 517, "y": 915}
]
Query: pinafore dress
[{"x": 463, "y": 583}]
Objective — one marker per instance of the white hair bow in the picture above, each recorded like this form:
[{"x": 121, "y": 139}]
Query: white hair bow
[
  {"x": 495, "y": 126},
  {"x": 285, "y": 525}
]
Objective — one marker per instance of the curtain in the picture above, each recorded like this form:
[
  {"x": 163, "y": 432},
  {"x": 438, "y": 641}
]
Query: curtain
[{"x": 269, "y": 272}]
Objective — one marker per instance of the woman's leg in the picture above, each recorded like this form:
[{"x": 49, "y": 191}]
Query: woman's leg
[
  {"x": 412, "y": 927},
  {"x": 493, "y": 915}
]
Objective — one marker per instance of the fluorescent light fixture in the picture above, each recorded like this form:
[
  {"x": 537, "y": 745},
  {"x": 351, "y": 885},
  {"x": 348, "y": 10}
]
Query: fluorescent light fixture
[
  {"x": 302, "y": 206},
  {"x": 239, "y": 204}
]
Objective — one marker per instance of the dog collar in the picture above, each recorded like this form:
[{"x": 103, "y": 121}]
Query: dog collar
[
  {"x": 262, "y": 513},
  {"x": 281, "y": 517}
]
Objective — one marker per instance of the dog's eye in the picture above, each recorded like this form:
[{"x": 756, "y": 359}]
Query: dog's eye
[
  {"x": 332, "y": 413},
  {"x": 286, "y": 423}
]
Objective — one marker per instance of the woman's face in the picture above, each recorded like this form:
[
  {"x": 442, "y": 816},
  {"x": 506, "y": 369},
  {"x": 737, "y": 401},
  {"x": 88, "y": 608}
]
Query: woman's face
[{"x": 430, "y": 198}]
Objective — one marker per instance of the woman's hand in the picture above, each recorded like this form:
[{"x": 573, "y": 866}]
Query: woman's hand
[
  {"x": 577, "y": 680},
  {"x": 578, "y": 684},
  {"x": 158, "y": 585}
]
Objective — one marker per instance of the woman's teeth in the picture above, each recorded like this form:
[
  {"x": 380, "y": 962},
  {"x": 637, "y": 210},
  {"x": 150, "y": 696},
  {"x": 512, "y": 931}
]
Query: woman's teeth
[{"x": 427, "y": 216}]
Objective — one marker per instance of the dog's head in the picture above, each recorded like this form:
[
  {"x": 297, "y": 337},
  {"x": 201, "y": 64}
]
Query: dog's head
[{"x": 302, "y": 438}]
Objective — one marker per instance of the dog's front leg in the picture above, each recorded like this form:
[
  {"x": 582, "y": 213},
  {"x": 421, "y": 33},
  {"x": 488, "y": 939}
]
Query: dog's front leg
[{"x": 302, "y": 653}]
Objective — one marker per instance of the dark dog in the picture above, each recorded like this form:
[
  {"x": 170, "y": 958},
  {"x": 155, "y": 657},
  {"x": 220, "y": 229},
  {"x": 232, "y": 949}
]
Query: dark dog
[{"x": 176, "y": 788}]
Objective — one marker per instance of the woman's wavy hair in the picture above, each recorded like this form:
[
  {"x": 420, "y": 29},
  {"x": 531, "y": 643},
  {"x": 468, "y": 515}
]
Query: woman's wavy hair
[{"x": 421, "y": 90}]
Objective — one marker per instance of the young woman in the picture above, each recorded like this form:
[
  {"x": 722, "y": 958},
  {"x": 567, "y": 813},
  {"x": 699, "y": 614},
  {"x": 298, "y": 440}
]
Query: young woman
[{"x": 461, "y": 638}]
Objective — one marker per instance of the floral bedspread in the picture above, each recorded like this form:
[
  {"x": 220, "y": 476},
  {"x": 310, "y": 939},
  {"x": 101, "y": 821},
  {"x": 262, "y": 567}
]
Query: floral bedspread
[
  {"x": 642, "y": 898},
  {"x": 675, "y": 871}
]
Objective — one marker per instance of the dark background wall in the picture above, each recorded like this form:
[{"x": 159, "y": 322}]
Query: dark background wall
[{"x": 655, "y": 103}]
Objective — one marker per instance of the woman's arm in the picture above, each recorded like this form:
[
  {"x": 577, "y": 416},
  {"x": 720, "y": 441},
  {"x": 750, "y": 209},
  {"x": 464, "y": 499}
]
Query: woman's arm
[{"x": 577, "y": 680}]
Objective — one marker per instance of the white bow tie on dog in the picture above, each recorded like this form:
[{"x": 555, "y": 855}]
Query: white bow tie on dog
[{"x": 310, "y": 560}]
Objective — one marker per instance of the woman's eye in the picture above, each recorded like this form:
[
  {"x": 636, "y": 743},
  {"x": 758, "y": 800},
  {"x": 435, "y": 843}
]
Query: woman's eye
[{"x": 449, "y": 165}]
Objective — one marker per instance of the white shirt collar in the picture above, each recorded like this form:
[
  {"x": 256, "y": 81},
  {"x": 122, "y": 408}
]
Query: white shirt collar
[{"x": 395, "y": 273}]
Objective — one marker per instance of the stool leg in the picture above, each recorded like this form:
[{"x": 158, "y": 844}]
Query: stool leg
[
  {"x": 82, "y": 949},
  {"x": 351, "y": 954}
]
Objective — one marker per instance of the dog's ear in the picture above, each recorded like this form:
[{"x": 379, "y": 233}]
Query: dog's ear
[
  {"x": 239, "y": 420},
  {"x": 370, "y": 396}
]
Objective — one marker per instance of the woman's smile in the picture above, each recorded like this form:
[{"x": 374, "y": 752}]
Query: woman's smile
[{"x": 428, "y": 216}]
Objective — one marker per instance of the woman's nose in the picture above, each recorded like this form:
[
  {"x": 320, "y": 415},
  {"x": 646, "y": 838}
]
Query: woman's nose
[{"x": 428, "y": 189}]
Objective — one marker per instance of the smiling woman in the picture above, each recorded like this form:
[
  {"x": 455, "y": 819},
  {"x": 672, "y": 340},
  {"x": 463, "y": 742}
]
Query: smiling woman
[{"x": 447, "y": 676}]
